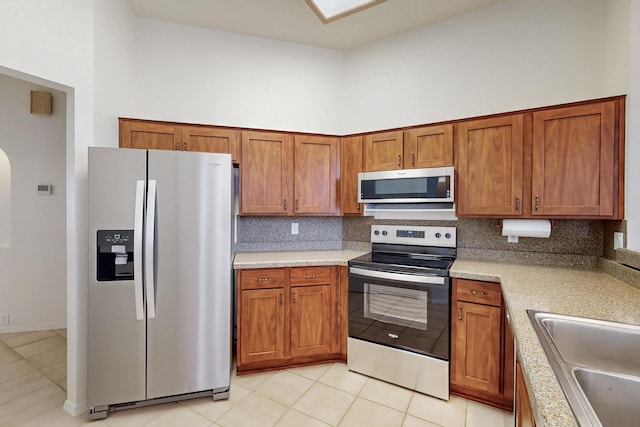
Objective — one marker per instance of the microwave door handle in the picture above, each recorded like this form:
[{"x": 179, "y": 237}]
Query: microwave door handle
[{"x": 137, "y": 250}]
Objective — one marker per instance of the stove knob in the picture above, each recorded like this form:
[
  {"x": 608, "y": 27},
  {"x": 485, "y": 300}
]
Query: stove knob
[
  {"x": 438, "y": 235},
  {"x": 384, "y": 233},
  {"x": 376, "y": 232},
  {"x": 448, "y": 235}
]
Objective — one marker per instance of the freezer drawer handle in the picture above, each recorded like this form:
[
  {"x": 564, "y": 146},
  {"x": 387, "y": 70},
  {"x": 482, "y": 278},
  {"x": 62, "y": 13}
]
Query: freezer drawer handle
[
  {"x": 137, "y": 250},
  {"x": 149, "y": 246}
]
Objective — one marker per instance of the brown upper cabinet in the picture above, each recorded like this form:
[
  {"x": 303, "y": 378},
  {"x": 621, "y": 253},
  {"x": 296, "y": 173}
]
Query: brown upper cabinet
[
  {"x": 350, "y": 166},
  {"x": 174, "y": 136},
  {"x": 574, "y": 161},
  {"x": 266, "y": 173},
  {"x": 490, "y": 162},
  {"x": 553, "y": 162},
  {"x": 428, "y": 146},
  {"x": 316, "y": 171},
  {"x": 383, "y": 151},
  {"x": 564, "y": 162},
  {"x": 283, "y": 174}
]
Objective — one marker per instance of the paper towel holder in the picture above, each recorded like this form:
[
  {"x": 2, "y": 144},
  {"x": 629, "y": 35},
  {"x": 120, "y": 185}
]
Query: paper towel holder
[
  {"x": 499, "y": 223},
  {"x": 513, "y": 228}
]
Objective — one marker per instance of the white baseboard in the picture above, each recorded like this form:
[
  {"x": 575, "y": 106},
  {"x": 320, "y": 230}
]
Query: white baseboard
[
  {"x": 32, "y": 327},
  {"x": 73, "y": 409}
]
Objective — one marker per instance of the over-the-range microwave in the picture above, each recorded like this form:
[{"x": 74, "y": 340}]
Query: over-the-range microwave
[{"x": 426, "y": 185}]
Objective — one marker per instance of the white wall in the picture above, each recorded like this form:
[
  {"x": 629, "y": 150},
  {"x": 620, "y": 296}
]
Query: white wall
[
  {"x": 204, "y": 76},
  {"x": 51, "y": 43},
  {"x": 114, "y": 76},
  {"x": 33, "y": 283},
  {"x": 513, "y": 55}
]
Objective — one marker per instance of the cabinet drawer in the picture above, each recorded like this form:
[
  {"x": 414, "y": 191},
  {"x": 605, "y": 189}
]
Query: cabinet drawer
[
  {"x": 301, "y": 276},
  {"x": 479, "y": 292},
  {"x": 263, "y": 278}
]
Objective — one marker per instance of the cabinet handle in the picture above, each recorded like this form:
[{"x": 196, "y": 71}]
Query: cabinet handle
[
  {"x": 412, "y": 159},
  {"x": 297, "y": 205},
  {"x": 177, "y": 146},
  {"x": 537, "y": 202},
  {"x": 286, "y": 204},
  {"x": 184, "y": 146},
  {"x": 517, "y": 203},
  {"x": 358, "y": 207},
  {"x": 399, "y": 159},
  {"x": 478, "y": 292},
  {"x": 263, "y": 279},
  {"x": 294, "y": 297},
  {"x": 280, "y": 298},
  {"x": 310, "y": 276},
  {"x": 460, "y": 313}
]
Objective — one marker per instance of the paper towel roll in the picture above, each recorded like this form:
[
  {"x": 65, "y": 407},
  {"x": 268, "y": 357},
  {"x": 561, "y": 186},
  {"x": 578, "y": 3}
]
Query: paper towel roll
[{"x": 526, "y": 227}]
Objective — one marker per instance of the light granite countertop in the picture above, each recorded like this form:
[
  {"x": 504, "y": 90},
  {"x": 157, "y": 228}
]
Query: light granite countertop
[
  {"x": 582, "y": 293},
  {"x": 245, "y": 260}
]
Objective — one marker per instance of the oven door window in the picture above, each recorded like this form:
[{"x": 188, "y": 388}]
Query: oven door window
[{"x": 397, "y": 306}]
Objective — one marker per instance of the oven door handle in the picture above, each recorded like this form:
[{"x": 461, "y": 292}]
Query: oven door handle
[{"x": 400, "y": 277}]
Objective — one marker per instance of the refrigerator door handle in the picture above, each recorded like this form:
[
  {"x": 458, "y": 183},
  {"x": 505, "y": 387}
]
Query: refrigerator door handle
[
  {"x": 137, "y": 250},
  {"x": 149, "y": 253}
]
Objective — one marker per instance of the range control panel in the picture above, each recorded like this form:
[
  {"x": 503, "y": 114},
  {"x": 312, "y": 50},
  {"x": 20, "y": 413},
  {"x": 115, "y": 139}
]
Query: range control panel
[{"x": 414, "y": 235}]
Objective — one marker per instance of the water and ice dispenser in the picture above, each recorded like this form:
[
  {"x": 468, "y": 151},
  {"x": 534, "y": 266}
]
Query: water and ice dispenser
[{"x": 115, "y": 255}]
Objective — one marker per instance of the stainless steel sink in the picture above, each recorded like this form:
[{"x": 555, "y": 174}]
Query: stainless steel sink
[{"x": 597, "y": 364}]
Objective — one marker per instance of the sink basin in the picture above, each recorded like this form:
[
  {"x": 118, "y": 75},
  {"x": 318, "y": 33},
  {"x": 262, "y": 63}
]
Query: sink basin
[
  {"x": 597, "y": 364},
  {"x": 612, "y": 397}
]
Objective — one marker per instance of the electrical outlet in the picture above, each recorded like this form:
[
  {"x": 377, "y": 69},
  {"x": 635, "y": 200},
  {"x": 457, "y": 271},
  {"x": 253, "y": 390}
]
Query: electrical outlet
[
  {"x": 294, "y": 228},
  {"x": 512, "y": 239},
  {"x": 4, "y": 319},
  {"x": 618, "y": 240}
]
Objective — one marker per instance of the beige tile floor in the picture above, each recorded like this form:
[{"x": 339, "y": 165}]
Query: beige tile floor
[{"x": 33, "y": 379}]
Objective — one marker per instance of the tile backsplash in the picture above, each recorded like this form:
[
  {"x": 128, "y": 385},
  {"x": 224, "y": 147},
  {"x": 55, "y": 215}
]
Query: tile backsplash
[
  {"x": 261, "y": 234},
  {"x": 573, "y": 243}
]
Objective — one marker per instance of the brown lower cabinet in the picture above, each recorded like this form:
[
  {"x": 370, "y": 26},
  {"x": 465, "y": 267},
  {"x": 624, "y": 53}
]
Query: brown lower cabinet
[
  {"x": 482, "y": 351},
  {"x": 524, "y": 412},
  {"x": 287, "y": 316}
]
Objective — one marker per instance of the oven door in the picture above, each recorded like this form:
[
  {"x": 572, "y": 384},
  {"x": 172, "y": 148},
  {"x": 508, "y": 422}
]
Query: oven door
[{"x": 400, "y": 310}]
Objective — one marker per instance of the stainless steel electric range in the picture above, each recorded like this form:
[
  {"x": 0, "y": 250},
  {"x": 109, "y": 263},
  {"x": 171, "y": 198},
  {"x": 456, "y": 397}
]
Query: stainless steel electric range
[{"x": 399, "y": 307}]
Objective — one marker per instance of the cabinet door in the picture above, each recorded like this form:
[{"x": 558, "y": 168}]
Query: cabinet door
[
  {"x": 311, "y": 325},
  {"x": 476, "y": 338},
  {"x": 211, "y": 139},
  {"x": 350, "y": 166},
  {"x": 261, "y": 325},
  {"x": 430, "y": 146},
  {"x": 149, "y": 135},
  {"x": 573, "y": 161},
  {"x": 490, "y": 165},
  {"x": 265, "y": 174},
  {"x": 524, "y": 412},
  {"x": 316, "y": 175},
  {"x": 383, "y": 151}
]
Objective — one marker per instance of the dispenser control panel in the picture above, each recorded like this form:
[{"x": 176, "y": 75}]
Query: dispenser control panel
[{"x": 114, "y": 255}]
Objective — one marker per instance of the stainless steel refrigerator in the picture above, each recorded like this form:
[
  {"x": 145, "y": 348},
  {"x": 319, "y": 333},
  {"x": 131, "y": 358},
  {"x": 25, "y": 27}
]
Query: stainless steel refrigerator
[{"x": 159, "y": 313}]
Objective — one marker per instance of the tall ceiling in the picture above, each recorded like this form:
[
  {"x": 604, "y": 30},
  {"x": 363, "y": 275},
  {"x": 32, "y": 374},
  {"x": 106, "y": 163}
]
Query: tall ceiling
[{"x": 293, "y": 20}]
